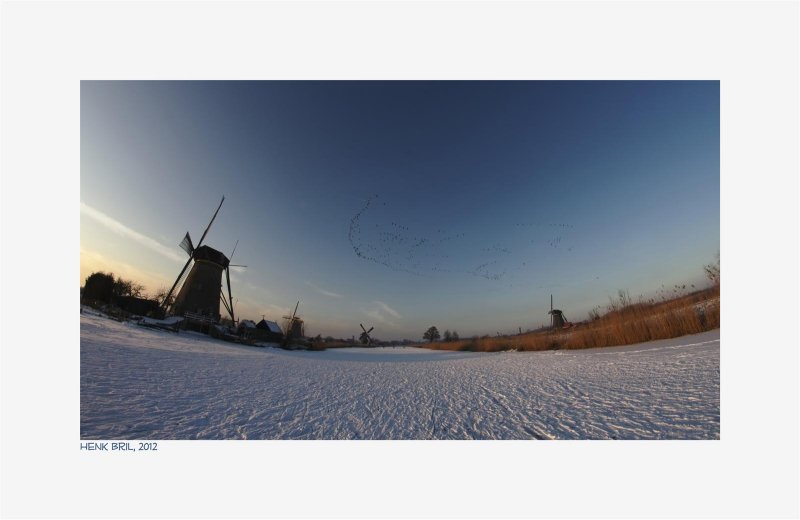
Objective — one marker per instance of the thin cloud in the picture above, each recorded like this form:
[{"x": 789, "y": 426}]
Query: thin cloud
[
  {"x": 323, "y": 291},
  {"x": 278, "y": 310},
  {"x": 388, "y": 310},
  {"x": 376, "y": 316},
  {"x": 257, "y": 289},
  {"x": 383, "y": 314},
  {"x": 123, "y": 230}
]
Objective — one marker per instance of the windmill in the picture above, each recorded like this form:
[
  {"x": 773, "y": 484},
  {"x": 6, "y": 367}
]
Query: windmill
[
  {"x": 202, "y": 290},
  {"x": 294, "y": 325},
  {"x": 365, "y": 335},
  {"x": 557, "y": 318}
]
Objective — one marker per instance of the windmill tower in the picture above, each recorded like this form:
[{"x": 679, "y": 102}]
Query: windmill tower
[{"x": 202, "y": 292}]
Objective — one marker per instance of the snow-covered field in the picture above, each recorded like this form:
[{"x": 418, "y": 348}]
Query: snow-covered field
[{"x": 138, "y": 383}]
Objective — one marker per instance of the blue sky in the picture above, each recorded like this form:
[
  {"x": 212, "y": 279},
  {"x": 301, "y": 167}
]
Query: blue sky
[{"x": 402, "y": 205}]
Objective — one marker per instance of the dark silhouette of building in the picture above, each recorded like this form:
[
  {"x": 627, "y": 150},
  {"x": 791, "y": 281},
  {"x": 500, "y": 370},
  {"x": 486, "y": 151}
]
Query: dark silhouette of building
[{"x": 200, "y": 293}]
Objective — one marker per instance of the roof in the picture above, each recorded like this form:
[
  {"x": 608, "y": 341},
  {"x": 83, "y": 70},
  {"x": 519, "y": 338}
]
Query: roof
[
  {"x": 210, "y": 254},
  {"x": 271, "y": 325},
  {"x": 250, "y": 324}
]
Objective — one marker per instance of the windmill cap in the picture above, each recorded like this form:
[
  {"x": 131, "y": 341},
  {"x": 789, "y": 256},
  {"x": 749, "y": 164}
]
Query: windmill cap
[{"x": 211, "y": 255}]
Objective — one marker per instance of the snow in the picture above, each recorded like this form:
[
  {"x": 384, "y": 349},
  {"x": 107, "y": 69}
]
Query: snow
[
  {"x": 140, "y": 383},
  {"x": 271, "y": 325},
  {"x": 248, "y": 324}
]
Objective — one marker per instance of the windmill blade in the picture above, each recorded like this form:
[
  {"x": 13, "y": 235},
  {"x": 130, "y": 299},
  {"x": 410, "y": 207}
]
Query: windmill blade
[
  {"x": 293, "y": 316},
  {"x": 234, "y": 251},
  {"x": 236, "y": 265},
  {"x": 224, "y": 300},
  {"x": 186, "y": 244},
  {"x": 370, "y": 330},
  {"x": 362, "y": 328},
  {"x": 227, "y": 304},
  {"x": 230, "y": 296},
  {"x": 212, "y": 221},
  {"x": 178, "y": 279}
]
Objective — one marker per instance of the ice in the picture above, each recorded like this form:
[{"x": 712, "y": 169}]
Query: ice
[{"x": 140, "y": 383}]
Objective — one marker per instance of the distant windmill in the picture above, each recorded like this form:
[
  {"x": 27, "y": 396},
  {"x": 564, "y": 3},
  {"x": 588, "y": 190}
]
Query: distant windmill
[
  {"x": 364, "y": 337},
  {"x": 557, "y": 318},
  {"x": 294, "y": 325},
  {"x": 201, "y": 293}
]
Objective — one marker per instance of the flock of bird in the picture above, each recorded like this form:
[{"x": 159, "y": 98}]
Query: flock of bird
[
  {"x": 379, "y": 253},
  {"x": 397, "y": 247}
]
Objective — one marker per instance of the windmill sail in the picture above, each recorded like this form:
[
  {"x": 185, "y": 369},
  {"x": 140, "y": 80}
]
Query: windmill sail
[
  {"x": 212, "y": 221},
  {"x": 365, "y": 337},
  {"x": 186, "y": 244},
  {"x": 165, "y": 303},
  {"x": 230, "y": 295}
]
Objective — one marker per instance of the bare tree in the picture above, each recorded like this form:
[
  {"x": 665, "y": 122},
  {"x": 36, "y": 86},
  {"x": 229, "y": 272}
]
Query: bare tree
[
  {"x": 432, "y": 334},
  {"x": 162, "y": 293},
  {"x": 124, "y": 287}
]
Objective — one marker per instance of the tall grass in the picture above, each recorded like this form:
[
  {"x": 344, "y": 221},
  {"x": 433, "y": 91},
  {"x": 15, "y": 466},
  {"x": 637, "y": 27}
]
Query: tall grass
[{"x": 623, "y": 323}]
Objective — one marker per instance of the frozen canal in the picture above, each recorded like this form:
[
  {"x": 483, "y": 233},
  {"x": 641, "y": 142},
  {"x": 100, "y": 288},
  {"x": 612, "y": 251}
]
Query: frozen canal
[{"x": 137, "y": 383}]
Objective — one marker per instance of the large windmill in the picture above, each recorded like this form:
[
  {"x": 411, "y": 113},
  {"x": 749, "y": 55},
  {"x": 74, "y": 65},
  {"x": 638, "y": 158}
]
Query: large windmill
[
  {"x": 364, "y": 337},
  {"x": 202, "y": 292}
]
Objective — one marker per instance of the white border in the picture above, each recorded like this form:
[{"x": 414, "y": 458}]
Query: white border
[{"x": 751, "y": 47}]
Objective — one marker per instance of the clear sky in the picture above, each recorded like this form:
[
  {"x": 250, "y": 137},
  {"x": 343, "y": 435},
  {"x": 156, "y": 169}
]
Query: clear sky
[{"x": 406, "y": 204}]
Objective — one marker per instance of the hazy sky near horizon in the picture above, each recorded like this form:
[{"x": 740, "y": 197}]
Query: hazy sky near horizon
[{"x": 406, "y": 204}]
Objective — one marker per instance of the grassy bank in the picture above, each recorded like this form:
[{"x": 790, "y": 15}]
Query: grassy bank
[{"x": 622, "y": 323}]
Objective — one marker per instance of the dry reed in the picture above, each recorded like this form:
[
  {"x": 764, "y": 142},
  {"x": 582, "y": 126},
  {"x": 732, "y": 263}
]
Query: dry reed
[{"x": 624, "y": 323}]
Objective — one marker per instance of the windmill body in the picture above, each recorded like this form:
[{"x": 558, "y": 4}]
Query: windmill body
[
  {"x": 200, "y": 292},
  {"x": 557, "y": 317},
  {"x": 296, "y": 329}
]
